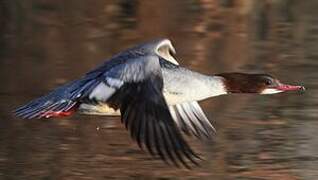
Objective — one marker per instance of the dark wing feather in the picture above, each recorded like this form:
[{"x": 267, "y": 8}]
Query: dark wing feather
[
  {"x": 145, "y": 112},
  {"x": 191, "y": 119}
]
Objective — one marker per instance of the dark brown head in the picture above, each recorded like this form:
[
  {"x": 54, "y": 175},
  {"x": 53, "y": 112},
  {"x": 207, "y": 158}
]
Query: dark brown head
[{"x": 255, "y": 83}]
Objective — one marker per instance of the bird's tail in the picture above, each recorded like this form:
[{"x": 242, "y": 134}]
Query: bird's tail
[{"x": 62, "y": 101}]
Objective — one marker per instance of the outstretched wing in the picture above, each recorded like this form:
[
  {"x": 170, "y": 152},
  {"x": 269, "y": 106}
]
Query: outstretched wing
[
  {"x": 66, "y": 99},
  {"x": 145, "y": 112},
  {"x": 62, "y": 101}
]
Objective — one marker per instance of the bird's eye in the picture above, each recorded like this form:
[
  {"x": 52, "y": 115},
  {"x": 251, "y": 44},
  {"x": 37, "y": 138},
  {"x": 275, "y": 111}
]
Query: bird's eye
[{"x": 268, "y": 82}]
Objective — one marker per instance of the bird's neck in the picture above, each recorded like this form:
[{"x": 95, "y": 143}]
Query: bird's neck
[{"x": 216, "y": 86}]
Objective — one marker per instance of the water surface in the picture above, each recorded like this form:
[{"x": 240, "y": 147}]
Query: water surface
[{"x": 45, "y": 43}]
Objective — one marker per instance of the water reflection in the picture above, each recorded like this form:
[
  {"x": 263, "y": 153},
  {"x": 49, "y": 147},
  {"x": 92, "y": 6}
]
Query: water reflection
[{"x": 46, "y": 43}]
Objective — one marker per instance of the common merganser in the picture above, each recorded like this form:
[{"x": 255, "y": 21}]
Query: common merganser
[{"x": 156, "y": 98}]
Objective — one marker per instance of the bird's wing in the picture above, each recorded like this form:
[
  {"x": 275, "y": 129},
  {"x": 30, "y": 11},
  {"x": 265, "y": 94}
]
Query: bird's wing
[
  {"x": 65, "y": 100},
  {"x": 190, "y": 118},
  {"x": 144, "y": 110},
  {"x": 62, "y": 101}
]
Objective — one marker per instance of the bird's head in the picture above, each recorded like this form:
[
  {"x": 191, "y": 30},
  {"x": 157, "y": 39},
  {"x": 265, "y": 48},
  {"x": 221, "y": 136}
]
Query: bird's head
[{"x": 255, "y": 83}]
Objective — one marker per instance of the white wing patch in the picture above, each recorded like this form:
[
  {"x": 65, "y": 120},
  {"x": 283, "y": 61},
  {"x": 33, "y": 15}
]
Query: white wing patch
[
  {"x": 191, "y": 119},
  {"x": 102, "y": 92},
  {"x": 114, "y": 82}
]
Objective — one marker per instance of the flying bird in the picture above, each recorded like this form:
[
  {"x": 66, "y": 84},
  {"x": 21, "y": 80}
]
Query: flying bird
[{"x": 156, "y": 98}]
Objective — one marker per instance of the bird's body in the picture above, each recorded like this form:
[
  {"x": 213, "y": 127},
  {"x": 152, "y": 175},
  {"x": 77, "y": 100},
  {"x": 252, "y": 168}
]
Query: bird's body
[
  {"x": 156, "y": 98},
  {"x": 181, "y": 85}
]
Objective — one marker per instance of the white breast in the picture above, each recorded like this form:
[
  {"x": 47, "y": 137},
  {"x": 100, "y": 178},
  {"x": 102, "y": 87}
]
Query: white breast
[{"x": 187, "y": 87}]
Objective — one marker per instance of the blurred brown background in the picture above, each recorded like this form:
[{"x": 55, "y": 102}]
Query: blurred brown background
[{"x": 45, "y": 43}]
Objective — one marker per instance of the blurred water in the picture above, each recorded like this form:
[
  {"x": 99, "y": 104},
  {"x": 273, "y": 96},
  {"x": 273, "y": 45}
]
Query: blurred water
[{"x": 45, "y": 43}]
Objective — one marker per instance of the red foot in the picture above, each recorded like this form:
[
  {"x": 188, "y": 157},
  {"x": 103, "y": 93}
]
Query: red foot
[{"x": 59, "y": 114}]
